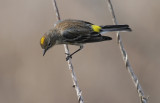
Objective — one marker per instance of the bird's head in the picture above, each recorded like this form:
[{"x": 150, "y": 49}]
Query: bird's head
[{"x": 47, "y": 41}]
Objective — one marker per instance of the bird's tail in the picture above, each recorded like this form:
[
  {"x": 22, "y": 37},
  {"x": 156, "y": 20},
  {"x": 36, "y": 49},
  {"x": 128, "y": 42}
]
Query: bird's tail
[{"x": 110, "y": 28}]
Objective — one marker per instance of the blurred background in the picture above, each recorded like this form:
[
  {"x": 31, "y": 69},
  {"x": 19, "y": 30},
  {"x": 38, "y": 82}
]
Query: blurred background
[{"x": 28, "y": 77}]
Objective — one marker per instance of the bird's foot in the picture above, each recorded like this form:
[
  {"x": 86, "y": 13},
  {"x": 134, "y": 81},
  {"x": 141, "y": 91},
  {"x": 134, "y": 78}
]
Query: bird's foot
[{"x": 68, "y": 56}]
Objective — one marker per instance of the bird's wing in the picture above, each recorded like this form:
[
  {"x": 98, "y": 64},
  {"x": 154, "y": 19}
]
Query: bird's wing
[
  {"x": 75, "y": 35},
  {"x": 73, "y": 29}
]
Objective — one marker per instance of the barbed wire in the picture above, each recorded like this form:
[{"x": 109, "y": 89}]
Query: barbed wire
[
  {"x": 74, "y": 78},
  {"x": 143, "y": 99}
]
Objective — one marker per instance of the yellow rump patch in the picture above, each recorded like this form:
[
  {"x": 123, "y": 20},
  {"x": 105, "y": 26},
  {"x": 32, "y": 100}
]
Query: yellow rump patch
[
  {"x": 96, "y": 28},
  {"x": 42, "y": 40}
]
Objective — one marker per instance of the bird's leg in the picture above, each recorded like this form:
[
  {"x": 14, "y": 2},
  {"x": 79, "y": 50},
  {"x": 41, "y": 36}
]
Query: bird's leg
[{"x": 70, "y": 55}]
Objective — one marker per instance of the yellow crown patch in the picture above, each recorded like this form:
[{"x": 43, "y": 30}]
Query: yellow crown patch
[
  {"x": 96, "y": 28},
  {"x": 42, "y": 40}
]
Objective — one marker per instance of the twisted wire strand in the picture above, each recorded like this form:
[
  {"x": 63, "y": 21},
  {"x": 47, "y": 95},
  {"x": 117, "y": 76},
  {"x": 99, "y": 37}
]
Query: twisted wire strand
[
  {"x": 74, "y": 78},
  {"x": 143, "y": 99}
]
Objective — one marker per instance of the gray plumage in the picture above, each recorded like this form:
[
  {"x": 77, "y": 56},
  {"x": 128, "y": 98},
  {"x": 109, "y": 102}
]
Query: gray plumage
[{"x": 77, "y": 32}]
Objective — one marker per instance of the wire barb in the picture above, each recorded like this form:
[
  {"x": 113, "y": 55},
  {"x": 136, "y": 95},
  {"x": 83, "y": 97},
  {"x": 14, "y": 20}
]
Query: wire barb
[
  {"x": 74, "y": 79},
  {"x": 143, "y": 99}
]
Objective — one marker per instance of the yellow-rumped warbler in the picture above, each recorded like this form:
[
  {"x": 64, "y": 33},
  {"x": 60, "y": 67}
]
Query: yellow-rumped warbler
[{"x": 77, "y": 32}]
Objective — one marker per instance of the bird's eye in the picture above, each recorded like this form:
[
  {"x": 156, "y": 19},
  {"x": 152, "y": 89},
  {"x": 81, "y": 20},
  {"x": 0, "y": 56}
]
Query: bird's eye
[{"x": 49, "y": 44}]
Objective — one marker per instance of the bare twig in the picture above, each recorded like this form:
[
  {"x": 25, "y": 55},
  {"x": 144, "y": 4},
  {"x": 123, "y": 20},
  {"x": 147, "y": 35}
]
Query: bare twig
[
  {"x": 75, "y": 83},
  {"x": 125, "y": 58}
]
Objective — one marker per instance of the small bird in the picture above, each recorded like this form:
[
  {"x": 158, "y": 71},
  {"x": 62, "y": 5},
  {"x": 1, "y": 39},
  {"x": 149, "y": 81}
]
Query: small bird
[{"x": 77, "y": 32}]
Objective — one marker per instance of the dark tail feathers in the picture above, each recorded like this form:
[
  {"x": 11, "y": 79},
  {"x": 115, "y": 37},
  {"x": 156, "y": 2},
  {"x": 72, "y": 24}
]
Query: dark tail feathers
[{"x": 109, "y": 28}]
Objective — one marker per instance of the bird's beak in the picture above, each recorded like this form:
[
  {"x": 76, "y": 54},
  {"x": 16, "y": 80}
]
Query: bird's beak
[{"x": 44, "y": 51}]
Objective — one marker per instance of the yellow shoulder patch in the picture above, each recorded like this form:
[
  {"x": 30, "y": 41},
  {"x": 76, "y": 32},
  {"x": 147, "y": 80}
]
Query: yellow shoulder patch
[
  {"x": 96, "y": 28},
  {"x": 42, "y": 40}
]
